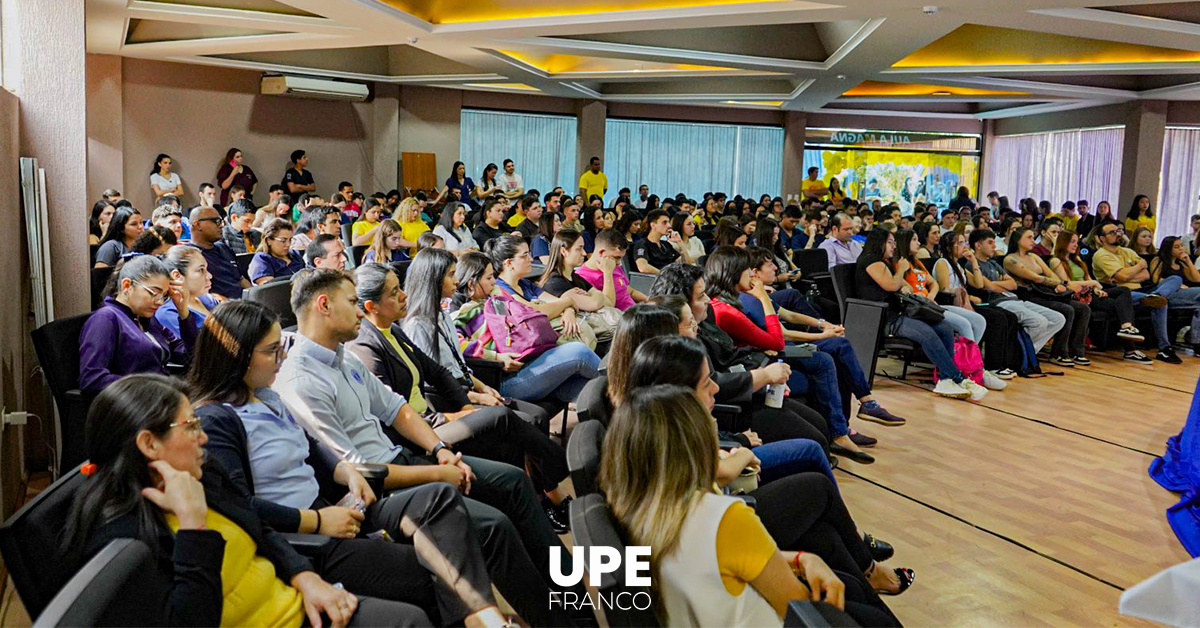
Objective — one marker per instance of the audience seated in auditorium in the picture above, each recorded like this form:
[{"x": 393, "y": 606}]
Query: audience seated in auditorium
[
  {"x": 840, "y": 245},
  {"x": 408, "y": 215},
  {"x": 326, "y": 252},
  {"x": 123, "y": 335},
  {"x": 389, "y": 246},
  {"x": 452, "y": 229},
  {"x": 877, "y": 279},
  {"x": 923, "y": 284},
  {"x": 275, "y": 258},
  {"x": 612, "y": 245},
  {"x": 238, "y": 234},
  {"x": 344, "y": 406},
  {"x": 227, "y": 279},
  {"x": 559, "y": 277},
  {"x": 1120, "y": 265},
  {"x": 559, "y": 372},
  {"x": 364, "y": 229},
  {"x": 148, "y": 480},
  {"x": 539, "y": 246},
  {"x": 492, "y": 430},
  {"x": 123, "y": 229},
  {"x": 988, "y": 276},
  {"x": 951, "y": 281},
  {"x": 1043, "y": 287},
  {"x": 657, "y": 250}
]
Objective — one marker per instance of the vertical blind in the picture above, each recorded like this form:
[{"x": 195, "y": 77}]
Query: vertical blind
[
  {"x": 542, "y": 147},
  {"x": 1179, "y": 184},
  {"x": 1057, "y": 167},
  {"x": 674, "y": 157}
]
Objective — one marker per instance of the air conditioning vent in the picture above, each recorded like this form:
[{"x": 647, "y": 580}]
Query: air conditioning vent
[{"x": 321, "y": 89}]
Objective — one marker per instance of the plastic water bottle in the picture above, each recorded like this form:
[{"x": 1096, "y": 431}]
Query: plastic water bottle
[{"x": 775, "y": 394}]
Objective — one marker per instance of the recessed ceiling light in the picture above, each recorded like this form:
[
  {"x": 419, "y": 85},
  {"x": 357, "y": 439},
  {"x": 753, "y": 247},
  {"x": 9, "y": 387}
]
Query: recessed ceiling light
[
  {"x": 841, "y": 77},
  {"x": 942, "y": 93}
]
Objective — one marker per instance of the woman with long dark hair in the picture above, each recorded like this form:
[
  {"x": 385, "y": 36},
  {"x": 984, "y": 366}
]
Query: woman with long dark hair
[
  {"x": 560, "y": 372},
  {"x": 162, "y": 180},
  {"x": 1030, "y": 270},
  {"x": 1140, "y": 215},
  {"x": 459, "y": 187},
  {"x": 1115, "y": 300},
  {"x": 487, "y": 182},
  {"x": 766, "y": 236},
  {"x": 102, "y": 213},
  {"x": 123, "y": 336},
  {"x": 216, "y": 562},
  {"x": 123, "y": 230},
  {"x": 876, "y": 279},
  {"x": 548, "y": 224},
  {"x": 232, "y": 171},
  {"x": 962, "y": 200},
  {"x": 967, "y": 323},
  {"x": 452, "y": 228},
  {"x": 594, "y": 221},
  {"x": 275, "y": 257},
  {"x": 729, "y": 233},
  {"x": 389, "y": 245},
  {"x": 285, "y": 473}
]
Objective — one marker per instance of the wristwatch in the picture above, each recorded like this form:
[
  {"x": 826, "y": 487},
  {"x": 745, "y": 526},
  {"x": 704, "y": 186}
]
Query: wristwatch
[{"x": 438, "y": 447}]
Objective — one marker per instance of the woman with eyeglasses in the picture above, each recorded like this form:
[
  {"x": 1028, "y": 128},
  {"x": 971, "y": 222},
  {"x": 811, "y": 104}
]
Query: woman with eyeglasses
[
  {"x": 123, "y": 336},
  {"x": 215, "y": 561},
  {"x": 275, "y": 258}
]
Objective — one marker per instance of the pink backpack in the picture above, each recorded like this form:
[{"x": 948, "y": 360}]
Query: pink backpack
[
  {"x": 968, "y": 359},
  {"x": 518, "y": 328}
]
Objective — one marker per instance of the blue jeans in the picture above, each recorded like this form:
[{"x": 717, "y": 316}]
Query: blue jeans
[
  {"x": 851, "y": 379},
  {"x": 787, "y": 457},
  {"x": 1188, "y": 298},
  {"x": 817, "y": 374},
  {"x": 792, "y": 300},
  {"x": 1158, "y": 316},
  {"x": 561, "y": 371},
  {"x": 937, "y": 341}
]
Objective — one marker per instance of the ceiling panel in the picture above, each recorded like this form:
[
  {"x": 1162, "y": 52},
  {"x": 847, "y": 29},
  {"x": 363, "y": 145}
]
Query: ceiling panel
[
  {"x": 1178, "y": 11},
  {"x": 266, "y": 6},
  {"x": 146, "y": 31},
  {"x": 457, "y": 11},
  {"x": 884, "y": 88},
  {"x": 797, "y": 42}
]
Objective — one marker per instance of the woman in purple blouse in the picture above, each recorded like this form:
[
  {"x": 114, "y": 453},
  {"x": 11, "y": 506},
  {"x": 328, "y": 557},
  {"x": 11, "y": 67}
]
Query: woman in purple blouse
[{"x": 123, "y": 336}]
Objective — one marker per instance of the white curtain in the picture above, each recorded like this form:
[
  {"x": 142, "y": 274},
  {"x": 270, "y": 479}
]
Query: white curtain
[
  {"x": 674, "y": 157},
  {"x": 1057, "y": 167},
  {"x": 1179, "y": 183},
  {"x": 542, "y": 146}
]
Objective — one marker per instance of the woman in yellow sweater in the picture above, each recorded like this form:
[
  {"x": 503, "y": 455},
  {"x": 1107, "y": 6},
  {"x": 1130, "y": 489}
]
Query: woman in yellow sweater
[{"x": 1140, "y": 215}]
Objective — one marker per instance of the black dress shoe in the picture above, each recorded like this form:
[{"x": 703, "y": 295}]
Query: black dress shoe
[
  {"x": 862, "y": 440},
  {"x": 558, "y": 515},
  {"x": 860, "y": 457},
  {"x": 833, "y": 462},
  {"x": 880, "y": 550}
]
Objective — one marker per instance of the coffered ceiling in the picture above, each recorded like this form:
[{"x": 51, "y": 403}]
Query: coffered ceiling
[{"x": 963, "y": 58}]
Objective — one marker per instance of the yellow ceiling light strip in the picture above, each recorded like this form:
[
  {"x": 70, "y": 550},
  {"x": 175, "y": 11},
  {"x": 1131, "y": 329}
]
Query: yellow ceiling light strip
[
  {"x": 459, "y": 11},
  {"x": 568, "y": 64},
  {"x": 972, "y": 44},
  {"x": 514, "y": 86},
  {"x": 758, "y": 103},
  {"x": 885, "y": 88}
]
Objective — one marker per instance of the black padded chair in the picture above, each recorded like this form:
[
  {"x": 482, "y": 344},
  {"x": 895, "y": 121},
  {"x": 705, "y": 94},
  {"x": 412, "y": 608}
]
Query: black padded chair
[
  {"x": 592, "y": 402},
  {"x": 29, "y": 542},
  {"x": 348, "y": 234},
  {"x": 401, "y": 269},
  {"x": 57, "y": 346},
  {"x": 107, "y": 590},
  {"x": 804, "y": 614},
  {"x": 583, "y": 456},
  {"x": 277, "y": 296},
  {"x": 243, "y": 262},
  {"x": 592, "y": 523},
  {"x": 865, "y": 323},
  {"x": 100, "y": 277},
  {"x": 357, "y": 252},
  {"x": 812, "y": 262},
  {"x": 92, "y": 250}
]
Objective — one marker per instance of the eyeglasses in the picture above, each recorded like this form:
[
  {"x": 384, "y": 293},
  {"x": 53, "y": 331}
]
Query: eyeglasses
[
  {"x": 280, "y": 240},
  {"x": 218, "y": 220},
  {"x": 191, "y": 426},
  {"x": 159, "y": 297},
  {"x": 280, "y": 352}
]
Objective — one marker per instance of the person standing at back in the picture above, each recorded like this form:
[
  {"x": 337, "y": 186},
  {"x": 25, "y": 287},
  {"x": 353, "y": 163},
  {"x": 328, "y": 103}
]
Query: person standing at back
[
  {"x": 593, "y": 181},
  {"x": 813, "y": 187},
  {"x": 162, "y": 180},
  {"x": 297, "y": 180},
  {"x": 232, "y": 172}
]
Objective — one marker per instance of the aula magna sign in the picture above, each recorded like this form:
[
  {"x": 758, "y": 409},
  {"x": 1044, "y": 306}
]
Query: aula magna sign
[{"x": 601, "y": 560}]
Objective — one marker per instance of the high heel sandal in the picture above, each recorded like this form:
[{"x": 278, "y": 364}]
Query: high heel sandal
[{"x": 907, "y": 577}]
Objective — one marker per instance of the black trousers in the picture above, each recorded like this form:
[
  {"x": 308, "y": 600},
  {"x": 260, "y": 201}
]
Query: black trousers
[
  {"x": 793, "y": 420},
  {"x": 434, "y": 563},
  {"x": 374, "y": 612},
  {"x": 1069, "y": 341},
  {"x": 516, "y": 538},
  {"x": 1118, "y": 303},
  {"x": 804, "y": 512},
  {"x": 498, "y": 433}
]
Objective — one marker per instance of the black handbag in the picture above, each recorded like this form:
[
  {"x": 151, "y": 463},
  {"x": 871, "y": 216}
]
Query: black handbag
[
  {"x": 920, "y": 309},
  {"x": 1045, "y": 293}
]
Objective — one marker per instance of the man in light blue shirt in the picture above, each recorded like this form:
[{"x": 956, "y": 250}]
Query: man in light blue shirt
[
  {"x": 343, "y": 405},
  {"x": 840, "y": 245}
]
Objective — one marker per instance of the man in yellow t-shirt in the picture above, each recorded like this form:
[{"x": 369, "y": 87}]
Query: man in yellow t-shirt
[
  {"x": 812, "y": 187},
  {"x": 1114, "y": 263},
  {"x": 592, "y": 181}
]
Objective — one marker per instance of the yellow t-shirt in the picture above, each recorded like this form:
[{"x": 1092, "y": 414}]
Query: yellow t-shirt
[
  {"x": 837, "y": 197},
  {"x": 411, "y": 231},
  {"x": 743, "y": 547},
  {"x": 1070, "y": 222},
  {"x": 253, "y": 595},
  {"x": 596, "y": 183},
  {"x": 808, "y": 184},
  {"x": 516, "y": 219},
  {"x": 1149, "y": 222},
  {"x": 1106, "y": 264},
  {"x": 414, "y": 396},
  {"x": 361, "y": 227}
]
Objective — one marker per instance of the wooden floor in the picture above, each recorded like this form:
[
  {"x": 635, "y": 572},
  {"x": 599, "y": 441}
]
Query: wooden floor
[{"x": 1031, "y": 507}]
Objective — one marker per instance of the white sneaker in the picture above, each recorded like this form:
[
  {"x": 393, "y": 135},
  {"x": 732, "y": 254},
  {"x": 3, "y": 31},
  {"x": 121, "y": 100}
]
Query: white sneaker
[
  {"x": 948, "y": 388},
  {"x": 992, "y": 381},
  {"x": 977, "y": 392}
]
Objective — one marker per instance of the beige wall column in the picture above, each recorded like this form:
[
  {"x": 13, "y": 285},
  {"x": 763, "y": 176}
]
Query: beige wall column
[
  {"x": 590, "y": 137},
  {"x": 53, "y": 93},
  {"x": 385, "y": 140},
  {"x": 430, "y": 122},
  {"x": 105, "y": 129},
  {"x": 794, "y": 123},
  {"x": 1141, "y": 159}
]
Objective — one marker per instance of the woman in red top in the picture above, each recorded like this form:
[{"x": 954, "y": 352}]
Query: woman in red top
[{"x": 728, "y": 273}]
